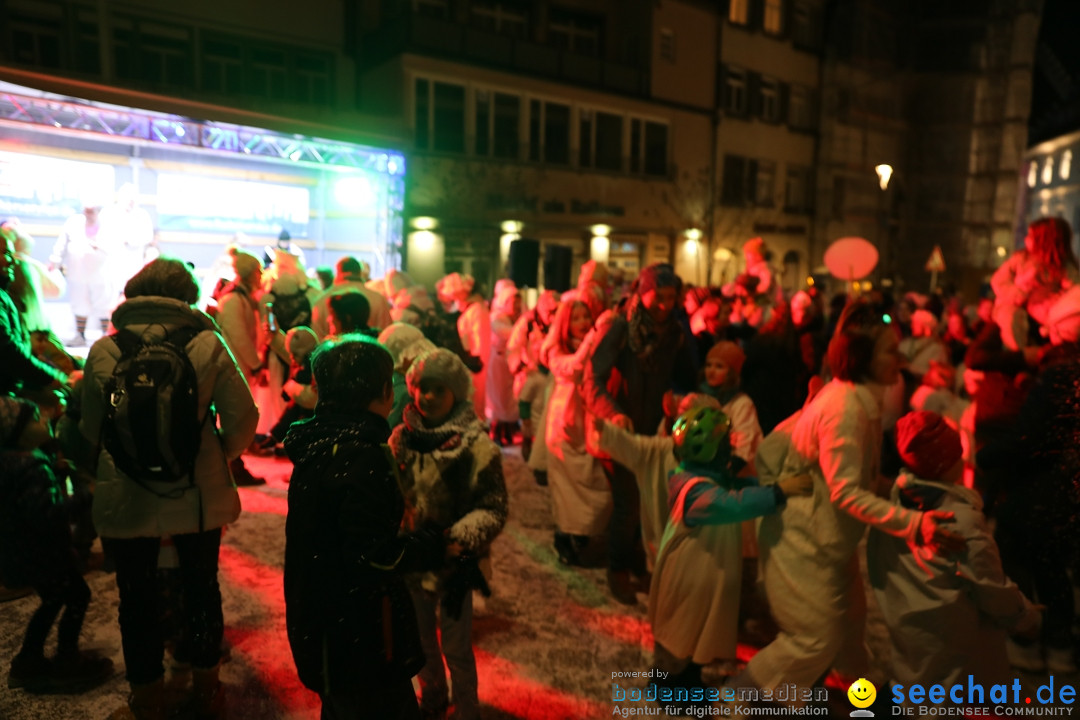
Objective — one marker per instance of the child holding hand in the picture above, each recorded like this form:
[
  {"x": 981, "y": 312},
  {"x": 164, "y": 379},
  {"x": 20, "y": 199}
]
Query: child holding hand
[
  {"x": 694, "y": 598},
  {"x": 451, "y": 476}
]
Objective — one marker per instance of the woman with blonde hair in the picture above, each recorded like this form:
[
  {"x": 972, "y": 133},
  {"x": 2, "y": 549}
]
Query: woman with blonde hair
[{"x": 580, "y": 493}]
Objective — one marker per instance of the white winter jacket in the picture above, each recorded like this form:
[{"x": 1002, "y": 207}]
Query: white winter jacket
[
  {"x": 125, "y": 509},
  {"x": 947, "y": 616}
]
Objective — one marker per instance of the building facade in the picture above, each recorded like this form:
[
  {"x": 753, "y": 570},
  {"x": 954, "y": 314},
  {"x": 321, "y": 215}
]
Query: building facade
[
  {"x": 941, "y": 92},
  {"x": 629, "y": 131}
]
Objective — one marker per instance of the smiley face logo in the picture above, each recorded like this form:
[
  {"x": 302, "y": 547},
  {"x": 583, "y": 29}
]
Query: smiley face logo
[{"x": 862, "y": 693}]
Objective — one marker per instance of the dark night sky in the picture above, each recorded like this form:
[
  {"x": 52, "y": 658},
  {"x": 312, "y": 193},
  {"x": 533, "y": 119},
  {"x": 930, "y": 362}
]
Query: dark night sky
[{"x": 1052, "y": 112}]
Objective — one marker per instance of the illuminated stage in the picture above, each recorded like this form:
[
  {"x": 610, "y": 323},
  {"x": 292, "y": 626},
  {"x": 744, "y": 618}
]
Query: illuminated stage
[{"x": 204, "y": 182}]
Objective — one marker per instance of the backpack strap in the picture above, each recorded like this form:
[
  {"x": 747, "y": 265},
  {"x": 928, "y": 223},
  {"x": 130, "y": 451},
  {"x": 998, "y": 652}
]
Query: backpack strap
[
  {"x": 127, "y": 341},
  {"x": 180, "y": 337}
]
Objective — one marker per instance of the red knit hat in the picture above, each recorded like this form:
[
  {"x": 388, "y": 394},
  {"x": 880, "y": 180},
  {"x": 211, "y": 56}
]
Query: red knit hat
[{"x": 927, "y": 445}]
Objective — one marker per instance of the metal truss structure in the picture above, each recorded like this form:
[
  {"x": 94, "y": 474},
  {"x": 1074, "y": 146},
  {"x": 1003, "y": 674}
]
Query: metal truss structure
[{"x": 179, "y": 131}]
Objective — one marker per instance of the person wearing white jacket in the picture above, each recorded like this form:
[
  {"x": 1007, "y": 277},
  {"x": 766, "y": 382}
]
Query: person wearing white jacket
[
  {"x": 808, "y": 552},
  {"x": 132, "y": 518},
  {"x": 947, "y": 616}
]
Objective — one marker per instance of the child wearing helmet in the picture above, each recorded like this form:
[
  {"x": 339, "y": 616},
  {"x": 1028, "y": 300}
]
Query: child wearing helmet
[{"x": 694, "y": 598}]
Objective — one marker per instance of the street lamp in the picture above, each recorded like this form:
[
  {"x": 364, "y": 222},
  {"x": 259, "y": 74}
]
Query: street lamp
[{"x": 884, "y": 172}]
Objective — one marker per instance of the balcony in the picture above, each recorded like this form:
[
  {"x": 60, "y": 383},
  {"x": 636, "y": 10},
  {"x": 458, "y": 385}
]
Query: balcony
[{"x": 431, "y": 36}]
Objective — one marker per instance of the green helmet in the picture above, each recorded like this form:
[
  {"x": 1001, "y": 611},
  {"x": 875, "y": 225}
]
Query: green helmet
[{"x": 701, "y": 434}]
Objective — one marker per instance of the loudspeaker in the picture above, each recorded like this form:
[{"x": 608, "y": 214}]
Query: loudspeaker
[
  {"x": 524, "y": 262},
  {"x": 557, "y": 262}
]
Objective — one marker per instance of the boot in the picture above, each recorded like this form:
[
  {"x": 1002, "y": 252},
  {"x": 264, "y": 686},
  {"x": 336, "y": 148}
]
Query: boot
[
  {"x": 147, "y": 702},
  {"x": 207, "y": 693}
]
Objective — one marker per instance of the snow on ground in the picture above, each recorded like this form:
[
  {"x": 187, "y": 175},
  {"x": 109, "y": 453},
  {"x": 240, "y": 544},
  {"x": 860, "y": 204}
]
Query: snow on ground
[{"x": 547, "y": 641}]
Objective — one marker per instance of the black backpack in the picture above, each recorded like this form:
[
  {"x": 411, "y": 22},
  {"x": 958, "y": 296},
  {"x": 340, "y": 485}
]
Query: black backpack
[
  {"x": 152, "y": 427},
  {"x": 291, "y": 310}
]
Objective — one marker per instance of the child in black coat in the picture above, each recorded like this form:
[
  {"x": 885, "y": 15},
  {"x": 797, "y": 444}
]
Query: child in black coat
[
  {"x": 350, "y": 620},
  {"x": 36, "y": 551}
]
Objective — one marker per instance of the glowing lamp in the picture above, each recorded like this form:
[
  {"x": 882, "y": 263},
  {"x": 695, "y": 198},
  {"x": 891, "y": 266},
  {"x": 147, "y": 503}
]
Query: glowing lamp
[
  {"x": 884, "y": 172},
  {"x": 601, "y": 230},
  {"x": 424, "y": 223},
  {"x": 422, "y": 241},
  {"x": 512, "y": 226}
]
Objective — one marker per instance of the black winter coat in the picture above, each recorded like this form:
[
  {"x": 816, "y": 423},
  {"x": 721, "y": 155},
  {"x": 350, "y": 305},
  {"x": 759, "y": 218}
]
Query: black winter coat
[
  {"x": 350, "y": 620},
  {"x": 1042, "y": 494},
  {"x": 18, "y": 365},
  {"x": 35, "y": 535}
]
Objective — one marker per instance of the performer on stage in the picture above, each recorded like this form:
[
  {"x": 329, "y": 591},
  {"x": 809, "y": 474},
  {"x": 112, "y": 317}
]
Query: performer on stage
[
  {"x": 80, "y": 256},
  {"x": 126, "y": 232}
]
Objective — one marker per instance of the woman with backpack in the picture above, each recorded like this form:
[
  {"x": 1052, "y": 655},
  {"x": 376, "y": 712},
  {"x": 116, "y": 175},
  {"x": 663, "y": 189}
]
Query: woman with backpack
[{"x": 156, "y": 479}]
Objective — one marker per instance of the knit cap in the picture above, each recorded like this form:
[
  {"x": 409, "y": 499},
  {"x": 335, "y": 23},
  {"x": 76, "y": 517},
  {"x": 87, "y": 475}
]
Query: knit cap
[
  {"x": 243, "y": 262},
  {"x": 445, "y": 366},
  {"x": 728, "y": 353},
  {"x": 405, "y": 343},
  {"x": 754, "y": 246},
  {"x": 927, "y": 445},
  {"x": 300, "y": 341}
]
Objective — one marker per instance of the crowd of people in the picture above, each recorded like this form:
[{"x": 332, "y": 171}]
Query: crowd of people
[{"x": 723, "y": 449}]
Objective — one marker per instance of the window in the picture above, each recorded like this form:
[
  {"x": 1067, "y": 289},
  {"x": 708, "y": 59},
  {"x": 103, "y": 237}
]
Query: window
[
  {"x": 87, "y": 55},
  {"x": 656, "y": 149},
  {"x": 503, "y": 17},
  {"x": 774, "y": 16},
  {"x": 575, "y": 32},
  {"x": 556, "y": 133},
  {"x": 155, "y": 54},
  {"x": 505, "y": 123},
  {"x": 267, "y": 73},
  {"x": 733, "y": 191},
  {"x": 739, "y": 12},
  {"x": 448, "y": 113},
  {"x": 222, "y": 66},
  {"x": 310, "y": 79},
  {"x": 534, "y": 130},
  {"x": 800, "y": 113},
  {"x": 35, "y": 35},
  {"x": 422, "y": 105},
  {"x": 797, "y": 190},
  {"x": 483, "y": 122},
  {"x": 804, "y": 30},
  {"x": 635, "y": 146},
  {"x": 667, "y": 44},
  {"x": 735, "y": 91},
  {"x": 432, "y": 8},
  {"x": 585, "y": 134},
  {"x": 609, "y": 130},
  {"x": 764, "y": 182},
  {"x": 769, "y": 99},
  {"x": 497, "y": 117},
  {"x": 439, "y": 115}
]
